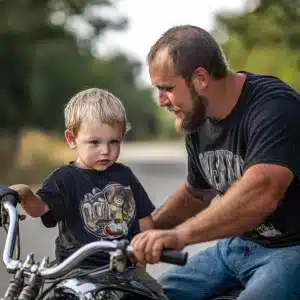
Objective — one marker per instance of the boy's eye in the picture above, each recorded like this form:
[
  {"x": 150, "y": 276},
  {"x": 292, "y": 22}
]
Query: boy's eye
[{"x": 94, "y": 142}]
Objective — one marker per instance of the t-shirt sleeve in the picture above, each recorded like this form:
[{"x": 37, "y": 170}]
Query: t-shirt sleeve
[
  {"x": 195, "y": 178},
  {"x": 55, "y": 194},
  {"x": 144, "y": 205},
  {"x": 272, "y": 133}
]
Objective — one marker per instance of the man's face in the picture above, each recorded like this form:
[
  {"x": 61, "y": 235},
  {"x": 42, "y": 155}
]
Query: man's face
[{"x": 178, "y": 96}]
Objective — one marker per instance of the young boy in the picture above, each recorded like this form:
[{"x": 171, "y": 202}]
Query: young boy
[{"x": 94, "y": 197}]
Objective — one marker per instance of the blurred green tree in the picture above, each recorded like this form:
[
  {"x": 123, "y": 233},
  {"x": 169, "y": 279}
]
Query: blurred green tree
[
  {"x": 47, "y": 54},
  {"x": 265, "y": 38}
]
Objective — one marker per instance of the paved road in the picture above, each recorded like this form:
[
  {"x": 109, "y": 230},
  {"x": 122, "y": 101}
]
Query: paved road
[{"x": 159, "y": 180}]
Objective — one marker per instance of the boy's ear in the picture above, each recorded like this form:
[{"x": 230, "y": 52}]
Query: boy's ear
[{"x": 70, "y": 138}]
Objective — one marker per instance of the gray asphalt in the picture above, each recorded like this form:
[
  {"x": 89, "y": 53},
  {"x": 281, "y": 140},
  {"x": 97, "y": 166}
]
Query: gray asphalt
[{"x": 159, "y": 180}]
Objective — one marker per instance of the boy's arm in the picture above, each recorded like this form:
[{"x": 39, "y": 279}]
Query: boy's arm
[
  {"x": 146, "y": 223},
  {"x": 144, "y": 206},
  {"x": 31, "y": 203}
]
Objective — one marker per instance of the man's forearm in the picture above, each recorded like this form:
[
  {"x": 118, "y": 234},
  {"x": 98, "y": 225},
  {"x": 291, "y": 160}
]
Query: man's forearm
[
  {"x": 181, "y": 206},
  {"x": 245, "y": 205}
]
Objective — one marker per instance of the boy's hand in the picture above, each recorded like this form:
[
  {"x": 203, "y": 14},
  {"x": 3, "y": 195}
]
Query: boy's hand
[
  {"x": 31, "y": 203},
  {"x": 22, "y": 190}
]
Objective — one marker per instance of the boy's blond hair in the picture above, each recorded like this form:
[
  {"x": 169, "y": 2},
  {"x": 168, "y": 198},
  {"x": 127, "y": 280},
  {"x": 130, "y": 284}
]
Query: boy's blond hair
[{"x": 97, "y": 104}]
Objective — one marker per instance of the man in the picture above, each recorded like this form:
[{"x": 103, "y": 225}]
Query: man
[{"x": 243, "y": 143}]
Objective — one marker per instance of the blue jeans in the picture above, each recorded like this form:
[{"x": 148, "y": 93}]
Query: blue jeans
[{"x": 263, "y": 273}]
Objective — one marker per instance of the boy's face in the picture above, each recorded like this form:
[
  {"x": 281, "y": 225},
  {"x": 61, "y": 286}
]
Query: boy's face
[{"x": 97, "y": 144}]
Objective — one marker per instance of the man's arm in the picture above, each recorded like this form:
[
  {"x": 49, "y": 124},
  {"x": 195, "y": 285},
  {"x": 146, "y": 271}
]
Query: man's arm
[
  {"x": 31, "y": 203},
  {"x": 185, "y": 203},
  {"x": 146, "y": 223},
  {"x": 244, "y": 206},
  {"x": 270, "y": 164}
]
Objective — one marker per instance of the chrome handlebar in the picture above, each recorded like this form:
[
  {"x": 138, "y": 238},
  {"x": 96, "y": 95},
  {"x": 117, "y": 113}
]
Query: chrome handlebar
[
  {"x": 120, "y": 252},
  {"x": 9, "y": 246},
  {"x": 29, "y": 266}
]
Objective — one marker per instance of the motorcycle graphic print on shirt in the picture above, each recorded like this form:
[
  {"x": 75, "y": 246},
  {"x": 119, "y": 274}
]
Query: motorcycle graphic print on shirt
[{"x": 108, "y": 213}]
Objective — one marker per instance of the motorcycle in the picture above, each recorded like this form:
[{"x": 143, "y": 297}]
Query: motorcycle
[{"x": 45, "y": 280}]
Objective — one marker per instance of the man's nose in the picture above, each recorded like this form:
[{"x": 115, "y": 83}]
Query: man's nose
[{"x": 163, "y": 99}]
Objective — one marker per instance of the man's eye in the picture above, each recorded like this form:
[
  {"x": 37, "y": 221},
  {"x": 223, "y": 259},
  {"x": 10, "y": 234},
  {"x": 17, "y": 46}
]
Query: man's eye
[
  {"x": 115, "y": 142},
  {"x": 168, "y": 89}
]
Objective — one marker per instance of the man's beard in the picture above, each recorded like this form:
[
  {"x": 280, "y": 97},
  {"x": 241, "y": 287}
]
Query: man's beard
[{"x": 190, "y": 122}]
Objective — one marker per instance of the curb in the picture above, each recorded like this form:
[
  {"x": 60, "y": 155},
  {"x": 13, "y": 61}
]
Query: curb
[{"x": 153, "y": 152}]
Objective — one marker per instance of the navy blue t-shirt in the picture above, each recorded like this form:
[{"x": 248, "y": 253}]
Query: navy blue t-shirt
[
  {"x": 91, "y": 205},
  {"x": 263, "y": 127}
]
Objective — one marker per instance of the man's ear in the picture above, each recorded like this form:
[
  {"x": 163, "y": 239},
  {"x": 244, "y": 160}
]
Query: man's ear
[
  {"x": 70, "y": 138},
  {"x": 200, "y": 79}
]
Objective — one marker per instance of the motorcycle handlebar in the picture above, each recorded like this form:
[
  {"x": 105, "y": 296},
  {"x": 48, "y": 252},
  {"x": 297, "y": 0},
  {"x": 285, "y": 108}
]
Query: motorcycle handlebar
[
  {"x": 174, "y": 257},
  {"x": 8, "y": 195},
  {"x": 168, "y": 256},
  {"x": 11, "y": 235}
]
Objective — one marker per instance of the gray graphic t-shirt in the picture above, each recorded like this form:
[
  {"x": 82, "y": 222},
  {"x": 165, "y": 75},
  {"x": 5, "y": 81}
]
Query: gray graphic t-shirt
[{"x": 90, "y": 205}]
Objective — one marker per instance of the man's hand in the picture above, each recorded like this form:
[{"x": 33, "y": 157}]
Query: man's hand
[{"x": 147, "y": 246}]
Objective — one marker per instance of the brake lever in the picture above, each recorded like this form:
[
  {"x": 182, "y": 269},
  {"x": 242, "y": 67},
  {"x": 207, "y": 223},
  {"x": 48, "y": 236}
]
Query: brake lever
[{"x": 4, "y": 217}]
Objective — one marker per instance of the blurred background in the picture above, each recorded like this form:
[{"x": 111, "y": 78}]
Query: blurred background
[{"x": 50, "y": 50}]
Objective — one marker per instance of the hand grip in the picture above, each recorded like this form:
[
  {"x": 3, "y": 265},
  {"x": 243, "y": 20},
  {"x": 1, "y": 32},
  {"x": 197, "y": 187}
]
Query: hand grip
[
  {"x": 8, "y": 195},
  {"x": 174, "y": 257}
]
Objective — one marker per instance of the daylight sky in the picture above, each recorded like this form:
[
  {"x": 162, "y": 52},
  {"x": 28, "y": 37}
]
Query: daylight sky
[{"x": 148, "y": 19}]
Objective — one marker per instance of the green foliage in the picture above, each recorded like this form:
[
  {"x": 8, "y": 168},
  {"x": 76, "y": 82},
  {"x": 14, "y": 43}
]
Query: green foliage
[
  {"x": 46, "y": 56},
  {"x": 271, "y": 22},
  {"x": 265, "y": 39},
  {"x": 55, "y": 85},
  {"x": 166, "y": 122}
]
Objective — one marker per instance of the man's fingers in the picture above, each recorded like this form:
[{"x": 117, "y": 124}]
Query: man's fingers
[
  {"x": 154, "y": 246},
  {"x": 136, "y": 239},
  {"x": 139, "y": 245},
  {"x": 148, "y": 246},
  {"x": 157, "y": 248}
]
